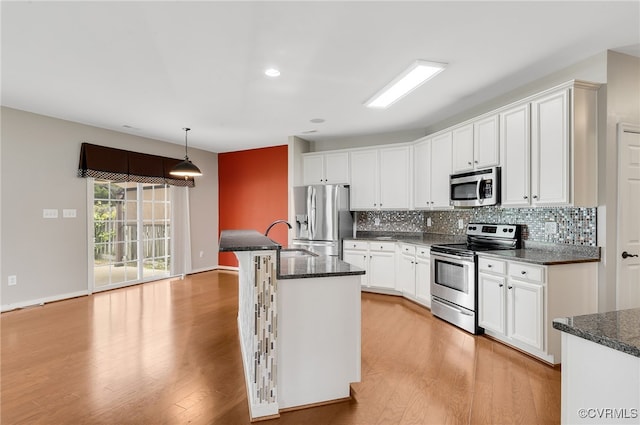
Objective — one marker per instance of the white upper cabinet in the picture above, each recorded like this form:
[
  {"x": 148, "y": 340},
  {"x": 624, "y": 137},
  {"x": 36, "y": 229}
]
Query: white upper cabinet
[
  {"x": 422, "y": 174},
  {"x": 381, "y": 178},
  {"x": 364, "y": 180},
  {"x": 441, "y": 155},
  {"x": 326, "y": 168},
  {"x": 550, "y": 165},
  {"x": 549, "y": 148},
  {"x": 395, "y": 178},
  {"x": 515, "y": 135},
  {"x": 476, "y": 145},
  {"x": 486, "y": 142},
  {"x": 463, "y": 148},
  {"x": 432, "y": 167}
]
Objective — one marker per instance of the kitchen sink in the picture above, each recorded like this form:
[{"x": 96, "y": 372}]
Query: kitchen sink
[{"x": 296, "y": 253}]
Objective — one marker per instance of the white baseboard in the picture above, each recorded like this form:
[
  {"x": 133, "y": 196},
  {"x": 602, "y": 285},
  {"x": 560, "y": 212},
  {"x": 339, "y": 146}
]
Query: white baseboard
[
  {"x": 42, "y": 301},
  {"x": 228, "y": 268},
  {"x": 203, "y": 269}
]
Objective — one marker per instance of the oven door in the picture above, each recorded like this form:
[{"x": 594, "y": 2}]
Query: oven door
[{"x": 453, "y": 278}]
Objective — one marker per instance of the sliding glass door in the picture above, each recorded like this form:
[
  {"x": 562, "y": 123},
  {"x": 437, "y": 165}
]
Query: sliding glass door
[{"x": 131, "y": 233}]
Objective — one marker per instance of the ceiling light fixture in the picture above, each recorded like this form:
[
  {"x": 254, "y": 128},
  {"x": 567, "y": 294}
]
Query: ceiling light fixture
[
  {"x": 272, "y": 72},
  {"x": 185, "y": 168},
  {"x": 414, "y": 76}
]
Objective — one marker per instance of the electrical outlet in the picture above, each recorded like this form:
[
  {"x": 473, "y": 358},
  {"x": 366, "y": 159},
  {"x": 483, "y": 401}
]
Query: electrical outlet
[
  {"x": 550, "y": 228},
  {"x": 376, "y": 221},
  {"x": 12, "y": 280},
  {"x": 428, "y": 221},
  {"x": 460, "y": 223},
  {"x": 201, "y": 254},
  {"x": 49, "y": 213}
]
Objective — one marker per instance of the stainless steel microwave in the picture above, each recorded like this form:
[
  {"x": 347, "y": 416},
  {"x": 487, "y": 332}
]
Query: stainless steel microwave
[{"x": 475, "y": 188}]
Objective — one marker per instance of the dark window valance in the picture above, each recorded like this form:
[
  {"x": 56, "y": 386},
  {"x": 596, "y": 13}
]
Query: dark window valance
[{"x": 120, "y": 165}]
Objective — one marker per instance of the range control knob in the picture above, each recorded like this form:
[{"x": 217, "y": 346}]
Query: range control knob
[
  {"x": 504, "y": 230},
  {"x": 510, "y": 230}
]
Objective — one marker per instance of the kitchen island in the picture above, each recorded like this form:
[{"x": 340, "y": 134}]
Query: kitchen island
[
  {"x": 601, "y": 367},
  {"x": 299, "y": 324}
]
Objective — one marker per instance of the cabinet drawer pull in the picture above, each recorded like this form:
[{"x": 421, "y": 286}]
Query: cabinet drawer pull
[
  {"x": 489, "y": 265},
  {"x": 523, "y": 272}
]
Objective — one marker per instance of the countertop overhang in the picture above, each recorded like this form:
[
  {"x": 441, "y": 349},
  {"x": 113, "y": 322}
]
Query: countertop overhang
[
  {"x": 303, "y": 267},
  {"x": 619, "y": 330}
]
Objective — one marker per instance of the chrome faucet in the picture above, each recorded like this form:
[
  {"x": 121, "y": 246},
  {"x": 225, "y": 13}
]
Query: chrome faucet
[{"x": 266, "y": 233}]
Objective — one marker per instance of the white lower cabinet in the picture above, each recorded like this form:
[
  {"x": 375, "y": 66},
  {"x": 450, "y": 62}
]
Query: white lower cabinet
[
  {"x": 517, "y": 302},
  {"x": 525, "y": 313},
  {"x": 414, "y": 273},
  {"x": 510, "y": 301},
  {"x": 378, "y": 259}
]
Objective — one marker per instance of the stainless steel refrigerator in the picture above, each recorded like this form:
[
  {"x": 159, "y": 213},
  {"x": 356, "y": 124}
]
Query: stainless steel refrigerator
[{"x": 322, "y": 218}]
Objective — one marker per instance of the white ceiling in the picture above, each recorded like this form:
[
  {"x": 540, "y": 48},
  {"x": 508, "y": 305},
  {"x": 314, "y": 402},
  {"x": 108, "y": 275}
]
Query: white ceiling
[{"x": 152, "y": 68}]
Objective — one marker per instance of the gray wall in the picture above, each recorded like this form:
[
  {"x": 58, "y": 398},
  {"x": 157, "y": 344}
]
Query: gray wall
[
  {"x": 622, "y": 98},
  {"x": 39, "y": 161}
]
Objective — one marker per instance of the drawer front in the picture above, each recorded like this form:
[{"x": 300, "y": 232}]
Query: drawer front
[
  {"x": 528, "y": 272},
  {"x": 492, "y": 265},
  {"x": 382, "y": 246},
  {"x": 423, "y": 251},
  {"x": 407, "y": 249},
  {"x": 359, "y": 245}
]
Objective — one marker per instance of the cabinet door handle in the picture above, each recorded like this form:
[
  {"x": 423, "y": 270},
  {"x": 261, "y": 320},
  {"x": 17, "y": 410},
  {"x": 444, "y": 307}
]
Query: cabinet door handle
[
  {"x": 523, "y": 272},
  {"x": 525, "y": 197},
  {"x": 469, "y": 163},
  {"x": 500, "y": 285},
  {"x": 489, "y": 265},
  {"x": 475, "y": 162},
  {"x": 535, "y": 196},
  {"x": 509, "y": 287}
]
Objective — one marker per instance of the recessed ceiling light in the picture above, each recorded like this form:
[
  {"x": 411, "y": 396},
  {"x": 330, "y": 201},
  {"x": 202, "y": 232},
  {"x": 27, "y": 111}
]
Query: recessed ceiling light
[
  {"x": 317, "y": 120},
  {"x": 419, "y": 72},
  {"x": 271, "y": 72}
]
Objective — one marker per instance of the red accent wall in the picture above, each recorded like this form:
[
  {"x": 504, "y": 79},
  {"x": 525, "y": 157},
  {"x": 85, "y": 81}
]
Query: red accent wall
[{"x": 253, "y": 193}]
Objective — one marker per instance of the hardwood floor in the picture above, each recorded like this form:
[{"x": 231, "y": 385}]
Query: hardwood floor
[{"x": 167, "y": 353}]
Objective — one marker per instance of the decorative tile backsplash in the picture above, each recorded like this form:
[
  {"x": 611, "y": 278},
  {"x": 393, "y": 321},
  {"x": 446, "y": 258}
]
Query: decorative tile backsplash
[{"x": 575, "y": 226}]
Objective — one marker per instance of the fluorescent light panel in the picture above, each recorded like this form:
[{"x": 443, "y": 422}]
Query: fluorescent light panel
[{"x": 419, "y": 72}]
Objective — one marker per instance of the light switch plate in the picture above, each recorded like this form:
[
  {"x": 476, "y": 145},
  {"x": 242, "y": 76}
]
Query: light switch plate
[{"x": 69, "y": 213}]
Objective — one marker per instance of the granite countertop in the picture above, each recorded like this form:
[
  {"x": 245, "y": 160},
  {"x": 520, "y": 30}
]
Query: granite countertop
[
  {"x": 245, "y": 240},
  {"x": 289, "y": 267},
  {"x": 542, "y": 253},
  {"x": 320, "y": 266},
  {"x": 548, "y": 254},
  {"x": 426, "y": 239},
  {"x": 619, "y": 330}
]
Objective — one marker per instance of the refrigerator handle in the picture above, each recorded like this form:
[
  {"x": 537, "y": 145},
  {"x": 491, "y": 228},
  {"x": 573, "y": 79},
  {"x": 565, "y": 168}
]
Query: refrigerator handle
[{"x": 311, "y": 211}]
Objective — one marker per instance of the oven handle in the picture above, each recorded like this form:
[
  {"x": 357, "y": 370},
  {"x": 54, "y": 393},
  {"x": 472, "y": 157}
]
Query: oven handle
[
  {"x": 451, "y": 306},
  {"x": 452, "y": 257}
]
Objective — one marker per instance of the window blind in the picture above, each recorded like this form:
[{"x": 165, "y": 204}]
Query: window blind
[{"x": 120, "y": 165}]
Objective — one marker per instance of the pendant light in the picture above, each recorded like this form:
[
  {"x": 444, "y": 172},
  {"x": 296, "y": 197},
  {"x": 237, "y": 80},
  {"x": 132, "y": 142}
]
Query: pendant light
[{"x": 185, "y": 168}]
